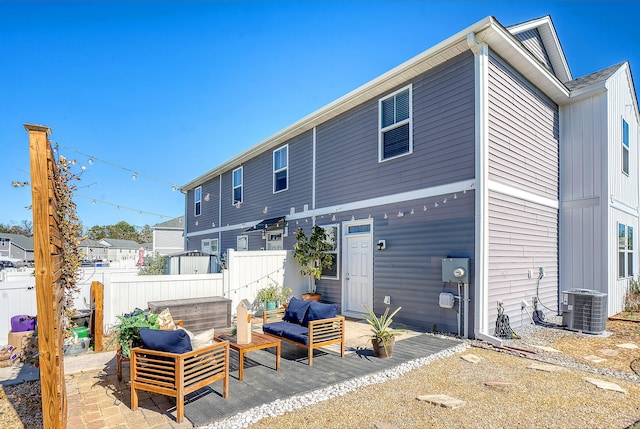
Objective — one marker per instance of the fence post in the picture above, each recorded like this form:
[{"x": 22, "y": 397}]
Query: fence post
[{"x": 97, "y": 313}]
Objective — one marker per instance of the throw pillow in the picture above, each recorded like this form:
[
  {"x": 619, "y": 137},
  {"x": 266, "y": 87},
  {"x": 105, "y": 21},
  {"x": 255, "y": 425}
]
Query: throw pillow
[
  {"x": 165, "y": 320},
  {"x": 202, "y": 339},
  {"x": 166, "y": 341},
  {"x": 318, "y": 311},
  {"x": 296, "y": 310}
]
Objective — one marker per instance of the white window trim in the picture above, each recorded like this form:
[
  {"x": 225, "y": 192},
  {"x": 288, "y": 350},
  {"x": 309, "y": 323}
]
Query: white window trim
[
  {"x": 209, "y": 244},
  {"x": 273, "y": 176},
  {"x": 382, "y": 130},
  {"x": 197, "y": 191},
  {"x": 234, "y": 186},
  {"x": 238, "y": 239},
  {"x": 625, "y": 148},
  {"x": 337, "y": 251}
]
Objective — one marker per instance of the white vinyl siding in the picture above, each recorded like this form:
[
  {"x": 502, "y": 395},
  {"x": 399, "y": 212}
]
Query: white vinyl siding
[
  {"x": 281, "y": 169},
  {"x": 197, "y": 201},
  {"x": 236, "y": 195},
  {"x": 395, "y": 125}
]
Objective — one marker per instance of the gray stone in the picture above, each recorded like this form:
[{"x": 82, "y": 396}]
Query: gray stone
[
  {"x": 627, "y": 346},
  {"x": 609, "y": 352},
  {"x": 546, "y": 367},
  {"x": 442, "y": 401},
  {"x": 546, "y": 349},
  {"x": 606, "y": 385},
  {"x": 594, "y": 359},
  {"x": 470, "y": 357}
]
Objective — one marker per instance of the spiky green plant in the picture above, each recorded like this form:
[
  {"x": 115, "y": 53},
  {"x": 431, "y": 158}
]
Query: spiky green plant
[{"x": 380, "y": 325}]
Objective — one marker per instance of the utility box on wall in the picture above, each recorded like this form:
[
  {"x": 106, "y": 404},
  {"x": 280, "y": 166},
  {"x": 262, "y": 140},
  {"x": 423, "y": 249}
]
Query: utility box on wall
[{"x": 455, "y": 270}]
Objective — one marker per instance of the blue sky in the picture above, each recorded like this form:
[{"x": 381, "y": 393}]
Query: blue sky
[{"x": 172, "y": 89}]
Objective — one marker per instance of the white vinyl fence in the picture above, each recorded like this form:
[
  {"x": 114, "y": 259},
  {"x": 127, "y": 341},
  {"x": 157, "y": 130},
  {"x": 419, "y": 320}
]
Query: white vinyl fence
[{"x": 125, "y": 291}]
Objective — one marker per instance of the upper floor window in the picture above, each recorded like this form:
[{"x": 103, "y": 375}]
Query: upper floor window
[
  {"x": 396, "y": 127},
  {"x": 237, "y": 185},
  {"x": 625, "y": 147},
  {"x": 197, "y": 200},
  {"x": 280, "y": 169}
]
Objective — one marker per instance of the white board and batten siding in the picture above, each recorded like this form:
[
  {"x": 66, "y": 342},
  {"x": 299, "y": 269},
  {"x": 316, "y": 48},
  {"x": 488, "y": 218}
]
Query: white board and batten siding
[
  {"x": 523, "y": 192},
  {"x": 596, "y": 195}
]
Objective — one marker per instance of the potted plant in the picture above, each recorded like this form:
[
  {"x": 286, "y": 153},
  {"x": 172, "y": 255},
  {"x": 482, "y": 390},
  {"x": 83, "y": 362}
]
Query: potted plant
[
  {"x": 127, "y": 330},
  {"x": 272, "y": 296},
  {"x": 311, "y": 253},
  {"x": 383, "y": 337}
]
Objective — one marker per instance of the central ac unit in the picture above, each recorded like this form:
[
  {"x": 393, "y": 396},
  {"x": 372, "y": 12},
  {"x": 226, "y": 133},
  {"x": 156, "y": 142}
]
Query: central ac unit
[{"x": 584, "y": 310}]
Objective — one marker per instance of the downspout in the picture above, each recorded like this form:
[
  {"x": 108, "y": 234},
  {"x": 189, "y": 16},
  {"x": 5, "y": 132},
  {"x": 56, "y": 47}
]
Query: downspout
[
  {"x": 313, "y": 171},
  {"x": 481, "y": 307},
  {"x": 220, "y": 209}
]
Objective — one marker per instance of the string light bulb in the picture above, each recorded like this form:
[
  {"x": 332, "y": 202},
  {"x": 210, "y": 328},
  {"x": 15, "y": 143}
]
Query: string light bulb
[
  {"x": 134, "y": 176},
  {"x": 173, "y": 188}
]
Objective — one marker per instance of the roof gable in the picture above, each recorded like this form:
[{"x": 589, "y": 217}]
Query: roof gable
[
  {"x": 551, "y": 48},
  {"x": 177, "y": 223},
  {"x": 120, "y": 244},
  {"x": 19, "y": 240}
]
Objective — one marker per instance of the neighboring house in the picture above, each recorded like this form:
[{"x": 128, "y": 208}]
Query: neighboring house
[
  {"x": 482, "y": 147},
  {"x": 168, "y": 237},
  {"x": 93, "y": 250},
  {"x": 16, "y": 246},
  {"x": 120, "y": 250}
]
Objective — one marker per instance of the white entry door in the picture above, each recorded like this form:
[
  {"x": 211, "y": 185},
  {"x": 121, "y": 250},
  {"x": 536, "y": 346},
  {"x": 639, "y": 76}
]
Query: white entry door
[{"x": 358, "y": 272}]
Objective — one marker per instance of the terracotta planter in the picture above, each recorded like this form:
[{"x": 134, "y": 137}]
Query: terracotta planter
[
  {"x": 379, "y": 349},
  {"x": 311, "y": 296}
]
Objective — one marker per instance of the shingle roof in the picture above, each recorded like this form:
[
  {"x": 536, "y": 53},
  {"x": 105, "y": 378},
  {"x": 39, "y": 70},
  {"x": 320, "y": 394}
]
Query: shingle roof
[
  {"x": 593, "y": 78},
  {"x": 87, "y": 242},
  {"x": 19, "y": 240},
  {"x": 121, "y": 244},
  {"x": 177, "y": 223}
]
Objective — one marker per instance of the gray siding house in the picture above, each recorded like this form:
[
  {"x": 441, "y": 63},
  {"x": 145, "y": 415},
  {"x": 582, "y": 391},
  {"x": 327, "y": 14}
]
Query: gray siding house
[
  {"x": 16, "y": 247},
  {"x": 455, "y": 153},
  {"x": 168, "y": 237}
]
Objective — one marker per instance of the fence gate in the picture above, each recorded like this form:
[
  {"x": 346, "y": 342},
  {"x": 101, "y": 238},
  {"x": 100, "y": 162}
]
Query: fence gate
[{"x": 47, "y": 247}]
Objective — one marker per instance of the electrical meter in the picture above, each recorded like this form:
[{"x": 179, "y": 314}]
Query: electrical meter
[{"x": 455, "y": 270}]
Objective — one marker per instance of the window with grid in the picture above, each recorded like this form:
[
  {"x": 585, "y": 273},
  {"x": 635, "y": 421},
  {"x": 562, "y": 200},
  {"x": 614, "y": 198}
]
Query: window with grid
[
  {"x": 280, "y": 169},
  {"x": 625, "y": 147},
  {"x": 197, "y": 200},
  {"x": 625, "y": 251},
  {"x": 242, "y": 243},
  {"x": 237, "y": 186},
  {"x": 210, "y": 246},
  {"x": 332, "y": 271},
  {"x": 396, "y": 128}
]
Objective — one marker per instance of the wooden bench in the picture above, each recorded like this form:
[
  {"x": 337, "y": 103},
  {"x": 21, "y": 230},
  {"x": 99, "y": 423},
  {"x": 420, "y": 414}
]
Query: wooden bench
[
  {"x": 177, "y": 375},
  {"x": 323, "y": 332}
]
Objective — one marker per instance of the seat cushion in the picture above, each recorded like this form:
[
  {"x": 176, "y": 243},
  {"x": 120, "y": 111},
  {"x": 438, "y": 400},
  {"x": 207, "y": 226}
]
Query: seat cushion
[
  {"x": 275, "y": 328},
  {"x": 166, "y": 341},
  {"x": 319, "y": 311},
  {"x": 296, "y": 310}
]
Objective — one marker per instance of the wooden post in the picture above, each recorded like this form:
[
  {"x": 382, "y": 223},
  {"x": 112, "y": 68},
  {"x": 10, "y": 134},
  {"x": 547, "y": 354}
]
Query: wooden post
[
  {"x": 47, "y": 249},
  {"x": 97, "y": 313}
]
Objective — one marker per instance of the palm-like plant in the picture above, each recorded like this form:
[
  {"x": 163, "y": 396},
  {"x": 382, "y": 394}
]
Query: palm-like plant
[{"x": 380, "y": 326}]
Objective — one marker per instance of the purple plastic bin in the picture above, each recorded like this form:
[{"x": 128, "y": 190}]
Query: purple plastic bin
[{"x": 23, "y": 323}]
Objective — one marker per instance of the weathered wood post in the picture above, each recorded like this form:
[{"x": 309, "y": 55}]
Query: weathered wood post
[{"x": 47, "y": 249}]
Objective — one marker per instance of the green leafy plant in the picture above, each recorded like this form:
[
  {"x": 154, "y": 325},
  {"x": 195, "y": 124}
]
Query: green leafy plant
[
  {"x": 380, "y": 325},
  {"x": 128, "y": 329},
  {"x": 273, "y": 293},
  {"x": 153, "y": 265},
  {"x": 311, "y": 253}
]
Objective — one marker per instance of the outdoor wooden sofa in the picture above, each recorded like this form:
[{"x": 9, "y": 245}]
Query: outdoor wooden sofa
[
  {"x": 177, "y": 375},
  {"x": 309, "y": 324}
]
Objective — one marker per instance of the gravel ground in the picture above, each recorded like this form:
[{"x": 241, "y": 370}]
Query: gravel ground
[{"x": 527, "y": 398}]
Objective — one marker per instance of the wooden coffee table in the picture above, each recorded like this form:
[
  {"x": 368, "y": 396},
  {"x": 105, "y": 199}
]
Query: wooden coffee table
[{"x": 258, "y": 342}]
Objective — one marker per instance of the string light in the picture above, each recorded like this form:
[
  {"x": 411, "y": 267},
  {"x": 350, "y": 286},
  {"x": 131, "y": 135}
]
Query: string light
[
  {"x": 134, "y": 176},
  {"x": 118, "y": 207}
]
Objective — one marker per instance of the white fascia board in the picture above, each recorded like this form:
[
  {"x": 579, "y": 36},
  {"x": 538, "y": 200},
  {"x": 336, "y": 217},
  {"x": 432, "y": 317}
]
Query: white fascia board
[
  {"x": 523, "y": 195},
  {"x": 434, "y": 191},
  {"x": 510, "y": 48},
  {"x": 426, "y": 60},
  {"x": 620, "y": 206}
]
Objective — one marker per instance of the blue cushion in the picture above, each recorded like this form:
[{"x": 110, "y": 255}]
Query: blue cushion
[
  {"x": 166, "y": 341},
  {"x": 318, "y": 311},
  {"x": 296, "y": 310},
  {"x": 297, "y": 333},
  {"x": 292, "y": 331}
]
